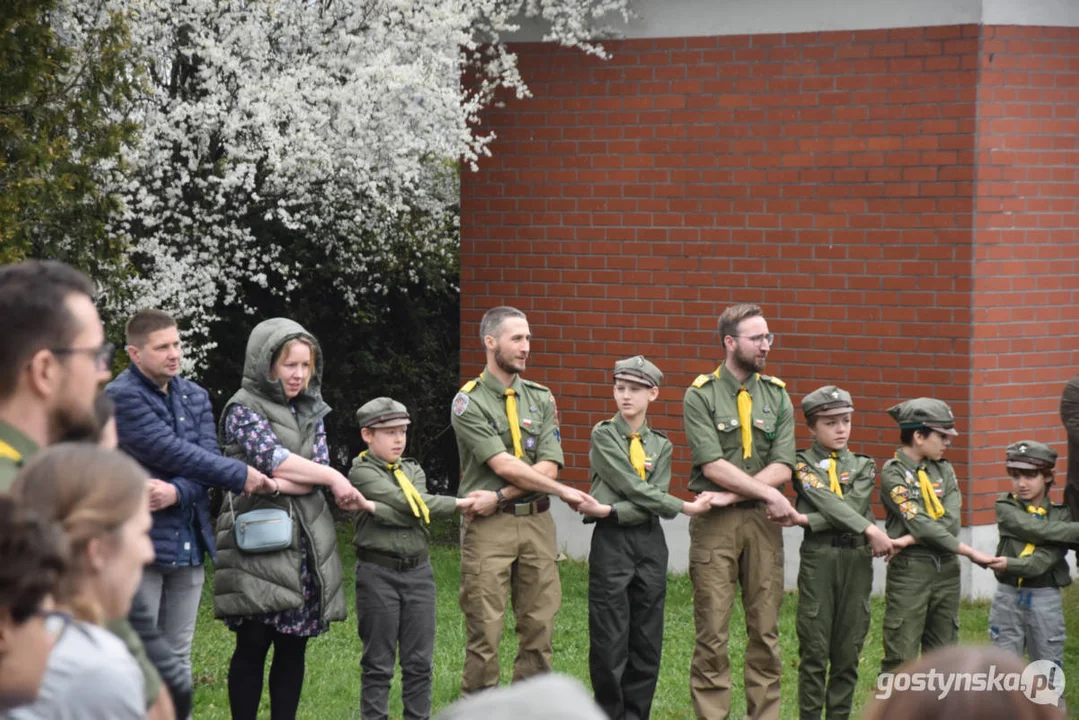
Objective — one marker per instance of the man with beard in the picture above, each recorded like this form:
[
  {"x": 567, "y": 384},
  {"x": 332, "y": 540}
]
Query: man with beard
[
  {"x": 511, "y": 452},
  {"x": 740, "y": 428},
  {"x": 53, "y": 358}
]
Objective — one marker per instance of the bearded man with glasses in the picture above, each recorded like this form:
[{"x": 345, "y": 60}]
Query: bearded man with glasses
[{"x": 740, "y": 428}]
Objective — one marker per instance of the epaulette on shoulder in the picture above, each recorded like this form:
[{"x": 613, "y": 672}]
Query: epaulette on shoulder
[
  {"x": 535, "y": 385},
  {"x": 703, "y": 380},
  {"x": 468, "y": 386},
  {"x": 601, "y": 423},
  {"x": 660, "y": 433},
  {"x": 774, "y": 380}
]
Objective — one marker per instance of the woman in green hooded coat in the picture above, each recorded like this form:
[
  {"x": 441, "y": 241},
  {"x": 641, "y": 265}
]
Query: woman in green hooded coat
[{"x": 282, "y": 598}]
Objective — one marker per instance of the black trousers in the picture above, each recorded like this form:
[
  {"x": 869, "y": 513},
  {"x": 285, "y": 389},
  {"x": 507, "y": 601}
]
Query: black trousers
[
  {"x": 627, "y": 588},
  {"x": 253, "y": 640}
]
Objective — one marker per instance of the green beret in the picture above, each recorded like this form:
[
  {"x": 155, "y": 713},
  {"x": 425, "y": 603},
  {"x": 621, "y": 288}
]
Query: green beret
[
  {"x": 924, "y": 412},
  {"x": 382, "y": 412},
  {"x": 638, "y": 370}
]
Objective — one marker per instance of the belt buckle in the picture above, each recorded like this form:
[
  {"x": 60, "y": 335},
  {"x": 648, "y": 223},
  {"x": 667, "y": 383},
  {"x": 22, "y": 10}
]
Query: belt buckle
[
  {"x": 522, "y": 509},
  {"x": 845, "y": 540}
]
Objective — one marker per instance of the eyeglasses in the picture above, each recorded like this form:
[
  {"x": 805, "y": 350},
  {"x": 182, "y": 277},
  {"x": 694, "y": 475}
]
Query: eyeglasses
[
  {"x": 769, "y": 338},
  {"x": 102, "y": 355},
  {"x": 55, "y": 622}
]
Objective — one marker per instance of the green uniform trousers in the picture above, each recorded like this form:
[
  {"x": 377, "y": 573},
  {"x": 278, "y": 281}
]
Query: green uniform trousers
[
  {"x": 627, "y": 588},
  {"x": 921, "y": 605},
  {"x": 834, "y": 582},
  {"x": 506, "y": 555},
  {"x": 729, "y": 547}
]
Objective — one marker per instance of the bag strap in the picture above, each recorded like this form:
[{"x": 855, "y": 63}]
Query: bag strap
[{"x": 232, "y": 509}]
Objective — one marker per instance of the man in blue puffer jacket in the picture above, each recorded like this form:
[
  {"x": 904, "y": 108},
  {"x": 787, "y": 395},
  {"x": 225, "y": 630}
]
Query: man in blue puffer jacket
[{"x": 166, "y": 423}]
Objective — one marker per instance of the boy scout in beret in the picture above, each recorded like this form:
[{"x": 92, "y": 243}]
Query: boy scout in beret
[
  {"x": 835, "y": 576},
  {"x": 922, "y": 499},
  {"x": 1027, "y": 614},
  {"x": 740, "y": 429},
  {"x": 395, "y": 586},
  {"x": 627, "y": 565}
]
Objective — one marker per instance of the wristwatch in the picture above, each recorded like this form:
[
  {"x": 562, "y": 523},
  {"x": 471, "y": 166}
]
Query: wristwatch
[
  {"x": 500, "y": 496},
  {"x": 614, "y": 513}
]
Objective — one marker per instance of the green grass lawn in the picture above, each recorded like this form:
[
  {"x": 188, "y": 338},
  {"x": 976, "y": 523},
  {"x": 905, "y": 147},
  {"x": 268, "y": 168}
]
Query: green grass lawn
[{"x": 332, "y": 686}]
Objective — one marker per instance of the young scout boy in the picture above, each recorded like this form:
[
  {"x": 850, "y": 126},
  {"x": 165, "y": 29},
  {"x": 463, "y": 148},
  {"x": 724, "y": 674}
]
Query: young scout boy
[
  {"x": 835, "y": 577},
  {"x": 922, "y": 499},
  {"x": 395, "y": 587},
  {"x": 1027, "y": 614},
  {"x": 627, "y": 565}
]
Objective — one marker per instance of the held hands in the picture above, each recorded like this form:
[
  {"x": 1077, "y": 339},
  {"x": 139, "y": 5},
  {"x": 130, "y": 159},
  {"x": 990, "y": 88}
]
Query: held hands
[
  {"x": 574, "y": 497},
  {"x": 701, "y": 504},
  {"x": 593, "y": 508},
  {"x": 162, "y": 494},
  {"x": 465, "y": 506},
  {"x": 999, "y": 565},
  {"x": 780, "y": 510},
  {"x": 484, "y": 502},
  {"x": 257, "y": 482},
  {"x": 986, "y": 560},
  {"x": 880, "y": 543},
  {"x": 349, "y": 498}
]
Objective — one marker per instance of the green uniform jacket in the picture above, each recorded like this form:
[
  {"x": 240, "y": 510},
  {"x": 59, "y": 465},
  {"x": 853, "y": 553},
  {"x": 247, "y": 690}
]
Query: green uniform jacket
[
  {"x": 394, "y": 529},
  {"x": 827, "y": 512},
  {"x": 906, "y": 508},
  {"x": 614, "y": 480},
  {"x": 9, "y": 467},
  {"x": 248, "y": 584},
  {"x": 479, "y": 420},
  {"x": 711, "y": 421},
  {"x": 1046, "y": 566}
]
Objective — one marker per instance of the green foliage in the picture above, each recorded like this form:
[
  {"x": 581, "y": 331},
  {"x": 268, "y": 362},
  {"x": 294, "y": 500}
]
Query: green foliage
[
  {"x": 403, "y": 344},
  {"x": 332, "y": 683},
  {"x": 63, "y": 101}
]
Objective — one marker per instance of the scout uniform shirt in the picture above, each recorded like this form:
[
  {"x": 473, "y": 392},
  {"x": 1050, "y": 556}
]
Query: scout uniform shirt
[
  {"x": 615, "y": 482},
  {"x": 713, "y": 430},
  {"x": 907, "y": 509},
  {"x": 1045, "y": 566},
  {"x": 394, "y": 529},
  {"x": 827, "y": 511},
  {"x": 15, "y": 450},
  {"x": 480, "y": 422}
]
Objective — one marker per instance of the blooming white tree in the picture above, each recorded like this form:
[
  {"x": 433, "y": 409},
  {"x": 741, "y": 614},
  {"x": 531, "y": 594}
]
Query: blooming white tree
[{"x": 273, "y": 127}]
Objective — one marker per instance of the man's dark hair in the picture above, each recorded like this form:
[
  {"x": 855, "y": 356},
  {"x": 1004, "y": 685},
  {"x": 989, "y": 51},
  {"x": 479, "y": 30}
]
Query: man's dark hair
[
  {"x": 32, "y": 295},
  {"x": 733, "y": 316},
  {"x": 33, "y": 557},
  {"x": 145, "y": 322}
]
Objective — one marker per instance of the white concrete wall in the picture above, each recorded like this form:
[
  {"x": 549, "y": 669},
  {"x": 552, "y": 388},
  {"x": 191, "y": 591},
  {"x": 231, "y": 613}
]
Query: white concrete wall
[
  {"x": 574, "y": 539},
  {"x": 689, "y": 18}
]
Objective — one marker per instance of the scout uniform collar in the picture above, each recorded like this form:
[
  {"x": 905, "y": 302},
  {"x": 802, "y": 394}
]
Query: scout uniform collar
[
  {"x": 15, "y": 446},
  {"x": 909, "y": 463},
  {"x": 623, "y": 428},
  {"x": 730, "y": 382},
  {"x": 495, "y": 385},
  {"x": 821, "y": 452},
  {"x": 1046, "y": 504}
]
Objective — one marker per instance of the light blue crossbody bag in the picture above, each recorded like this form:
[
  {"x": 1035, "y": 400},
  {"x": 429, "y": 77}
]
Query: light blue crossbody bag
[{"x": 263, "y": 530}]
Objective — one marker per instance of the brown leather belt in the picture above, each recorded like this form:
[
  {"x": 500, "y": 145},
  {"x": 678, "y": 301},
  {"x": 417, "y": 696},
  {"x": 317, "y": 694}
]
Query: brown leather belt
[{"x": 529, "y": 508}]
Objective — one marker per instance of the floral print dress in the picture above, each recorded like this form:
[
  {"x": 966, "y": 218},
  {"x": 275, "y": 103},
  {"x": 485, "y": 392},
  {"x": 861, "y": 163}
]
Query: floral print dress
[{"x": 252, "y": 432}]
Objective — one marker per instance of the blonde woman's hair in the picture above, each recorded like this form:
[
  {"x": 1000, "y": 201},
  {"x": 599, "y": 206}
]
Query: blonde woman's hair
[
  {"x": 283, "y": 350},
  {"x": 89, "y": 493}
]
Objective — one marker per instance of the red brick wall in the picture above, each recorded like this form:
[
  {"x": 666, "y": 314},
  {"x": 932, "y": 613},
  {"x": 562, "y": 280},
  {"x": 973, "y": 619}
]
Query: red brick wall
[
  {"x": 829, "y": 177},
  {"x": 1026, "y": 257}
]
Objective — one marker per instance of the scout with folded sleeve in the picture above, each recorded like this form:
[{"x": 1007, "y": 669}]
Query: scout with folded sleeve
[
  {"x": 922, "y": 499},
  {"x": 1027, "y": 614},
  {"x": 513, "y": 550},
  {"x": 835, "y": 576},
  {"x": 395, "y": 585},
  {"x": 627, "y": 563}
]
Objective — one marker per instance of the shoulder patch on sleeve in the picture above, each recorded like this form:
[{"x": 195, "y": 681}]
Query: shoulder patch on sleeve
[
  {"x": 808, "y": 477},
  {"x": 535, "y": 385},
  {"x": 468, "y": 386},
  {"x": 703, "y": 380},
  {"x": 774, "y": 380},
  {"x": 460, "y": 403}
]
